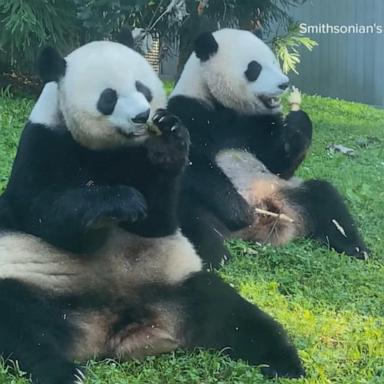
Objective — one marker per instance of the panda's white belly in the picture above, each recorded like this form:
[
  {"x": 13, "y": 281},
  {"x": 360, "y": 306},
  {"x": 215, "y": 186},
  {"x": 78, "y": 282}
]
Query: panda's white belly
[
  {"x": 124, "y": 261},
  {"x": 248, "y": 174},
  {"x": 28, "y": 259},
  {"x": 167, "y": 259},
  {"x": 264, "y": 192}
]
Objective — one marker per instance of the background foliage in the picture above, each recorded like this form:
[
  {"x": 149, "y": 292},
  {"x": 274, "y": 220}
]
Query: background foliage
[
  {"x": 286, "y": 47},
  {"x": 28, "y": 25}
]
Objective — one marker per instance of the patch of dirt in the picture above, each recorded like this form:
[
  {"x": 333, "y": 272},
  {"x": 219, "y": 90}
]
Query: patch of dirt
[{"x": 20, "y": 84}]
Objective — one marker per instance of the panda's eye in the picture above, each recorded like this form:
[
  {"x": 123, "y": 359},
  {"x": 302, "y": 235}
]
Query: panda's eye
[
  {"x": 140, "y": 87},
  {"x": 107, "y": 101},
  {"x": 253, "y": 71}
]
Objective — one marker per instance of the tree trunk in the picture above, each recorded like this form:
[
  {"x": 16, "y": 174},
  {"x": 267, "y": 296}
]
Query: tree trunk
[{"x": 196, "y": 24}]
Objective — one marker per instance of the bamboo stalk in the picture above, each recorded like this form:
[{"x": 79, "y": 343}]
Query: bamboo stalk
[{"x": 279, "y": 216}]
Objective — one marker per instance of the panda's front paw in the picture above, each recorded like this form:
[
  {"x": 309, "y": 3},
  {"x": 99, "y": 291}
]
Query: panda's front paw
[
  {"x": 169, "y": 150},
  {"x": 119, "y": 204}
]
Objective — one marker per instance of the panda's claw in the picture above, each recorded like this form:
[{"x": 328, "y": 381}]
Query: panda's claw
[
  {"x": 166, "y": 124},
  {"x": 79, "y": 377},
  {"x": 158, "y": 115},
  {"x": 165, "y": 120}
]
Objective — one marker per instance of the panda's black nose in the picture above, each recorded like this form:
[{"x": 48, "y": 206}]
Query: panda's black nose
[
  {"x": 284, "y": 86},
  {"x": 142, "y": 117}
]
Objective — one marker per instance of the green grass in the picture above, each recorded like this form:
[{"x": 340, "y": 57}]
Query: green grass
[{"x": 332, "y": 306}]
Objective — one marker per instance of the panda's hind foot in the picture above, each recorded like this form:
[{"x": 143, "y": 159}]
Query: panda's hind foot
[
  {"x": 67, "y": 373},
  {"x": 272, "y": 372},
  {"x": 284, "y": 363},
  {"x": 79, "y": 376}
]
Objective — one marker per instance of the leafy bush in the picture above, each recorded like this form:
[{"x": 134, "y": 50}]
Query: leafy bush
[
  {"x": 286, "y": 47},
  {"x": 26, "y": 26}
]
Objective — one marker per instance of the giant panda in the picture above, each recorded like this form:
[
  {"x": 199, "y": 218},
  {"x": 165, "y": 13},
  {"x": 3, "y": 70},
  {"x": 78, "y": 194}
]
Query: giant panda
[
  {"x": 244, "y": 154},
  {"x": 92, "y": 261}
]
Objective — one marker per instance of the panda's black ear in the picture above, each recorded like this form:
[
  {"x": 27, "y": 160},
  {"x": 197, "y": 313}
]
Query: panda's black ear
[
  {"x": 125, "y": 37},
  {"x": 50, "y": 65},
  {"x": 206, "y": 46}
]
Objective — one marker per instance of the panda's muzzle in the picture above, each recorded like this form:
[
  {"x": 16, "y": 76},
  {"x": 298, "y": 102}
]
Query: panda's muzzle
[
  {"x": 142, "y": 130},
  {"x": 271, "y": 102},
  {"x": 140, "y": 127},
  {"x": 142, "y": 117}
]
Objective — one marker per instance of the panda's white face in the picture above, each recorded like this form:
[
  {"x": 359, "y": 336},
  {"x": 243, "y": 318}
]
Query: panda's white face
[
  {"x": 241, "y": 73},
  {"x": 107, "y": 94}
]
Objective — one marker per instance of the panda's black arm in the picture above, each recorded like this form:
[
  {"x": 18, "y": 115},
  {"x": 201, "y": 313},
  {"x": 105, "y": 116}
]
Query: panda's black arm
[
  {"x": 70, "y": 219},
  {"x": 206, "y": 181},
  {"x": 281, "y": 144},
  {"x": 214, "y": 190},
  {"x": 287, "y": 143},
  {"x": 162, "y": 198},
  {"x": 203, "y": 178},
  {"x": 47, "y": 197},
  {"x": 166, "y": 156}
]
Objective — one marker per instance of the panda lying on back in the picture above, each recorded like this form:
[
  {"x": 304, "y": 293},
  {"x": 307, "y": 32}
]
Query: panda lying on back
[
  {"x": 92, "y": 264},
  {"x": 244, "y": 154}
]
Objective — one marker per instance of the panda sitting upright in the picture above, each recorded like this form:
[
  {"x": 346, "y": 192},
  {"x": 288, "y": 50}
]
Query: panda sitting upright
[
  {"x": 92, "y": 263},
  {"x": 244, "y": 154}
]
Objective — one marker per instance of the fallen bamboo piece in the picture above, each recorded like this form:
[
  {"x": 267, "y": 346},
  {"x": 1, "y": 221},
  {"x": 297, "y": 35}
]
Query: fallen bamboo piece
[{"x": 279, "y": 216}]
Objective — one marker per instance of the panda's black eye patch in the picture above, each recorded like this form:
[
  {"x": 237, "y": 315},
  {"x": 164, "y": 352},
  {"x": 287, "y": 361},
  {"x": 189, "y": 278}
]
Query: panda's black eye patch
[
  {"x": 144, "y": 90},
  {"x": 107, "y": 101},
  {"x": 253, "y": 71}
]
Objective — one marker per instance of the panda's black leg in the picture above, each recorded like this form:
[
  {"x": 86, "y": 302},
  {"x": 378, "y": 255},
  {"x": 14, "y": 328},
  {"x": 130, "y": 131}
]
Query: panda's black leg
[
  {"x": 36, "y": 335},
  {"x": 205, "y": 231},
  {"x": 328, "y": 218},
  {"x": 217, "y": 317}
]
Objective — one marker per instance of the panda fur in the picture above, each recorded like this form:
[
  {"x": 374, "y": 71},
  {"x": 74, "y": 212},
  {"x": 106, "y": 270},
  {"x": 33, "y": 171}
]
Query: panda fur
[
  {"x": 92, "y": 263},
  {"x": 244, "y": 154}
]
